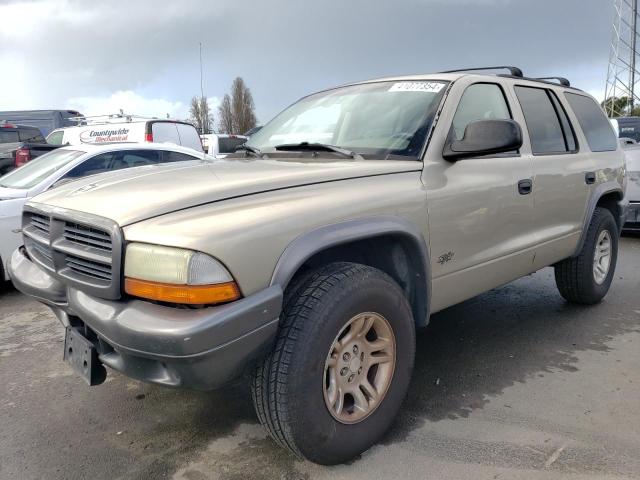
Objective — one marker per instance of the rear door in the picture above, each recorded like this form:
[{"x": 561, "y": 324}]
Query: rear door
[{"x": 560, "y": 191}]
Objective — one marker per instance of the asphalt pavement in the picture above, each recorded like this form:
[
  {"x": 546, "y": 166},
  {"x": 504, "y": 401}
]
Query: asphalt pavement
[{"x": 515, "y": 383}]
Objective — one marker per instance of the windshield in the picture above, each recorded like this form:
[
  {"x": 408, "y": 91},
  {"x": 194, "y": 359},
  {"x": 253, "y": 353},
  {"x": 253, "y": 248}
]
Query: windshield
[
  {"x": 37, "y": 170},
  {"x": 375, "y": 119}
]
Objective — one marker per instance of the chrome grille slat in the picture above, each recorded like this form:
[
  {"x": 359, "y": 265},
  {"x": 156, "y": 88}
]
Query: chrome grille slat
[
  {"x": 87, "y": 236},
  {"x": 90, "y": 268},
  {"x": 41, "y": 223}
]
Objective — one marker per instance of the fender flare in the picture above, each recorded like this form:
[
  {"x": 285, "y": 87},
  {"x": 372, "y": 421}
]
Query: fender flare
[
  {"x": 600, "y": 191},
  {"x": 305, "y": 246}
]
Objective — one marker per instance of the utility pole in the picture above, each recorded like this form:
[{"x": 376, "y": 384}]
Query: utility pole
[
  {"x": 622, "y": 73},
  {"x": 201, "y": 87}
]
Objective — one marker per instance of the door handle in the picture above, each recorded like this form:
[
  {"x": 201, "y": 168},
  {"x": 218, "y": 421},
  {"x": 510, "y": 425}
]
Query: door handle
[
  {"x": 590, "y": 178},
  {"x": 525, "y": 186}
]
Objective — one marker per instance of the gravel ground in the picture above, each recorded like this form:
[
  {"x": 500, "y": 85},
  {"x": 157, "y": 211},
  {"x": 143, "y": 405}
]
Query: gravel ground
[{"x": 512, "y": 384}]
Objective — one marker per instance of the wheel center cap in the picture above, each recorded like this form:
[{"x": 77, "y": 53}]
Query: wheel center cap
[{"x": 354, "y": 365}]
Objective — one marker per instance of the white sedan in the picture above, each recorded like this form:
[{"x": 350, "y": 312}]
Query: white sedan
[{"x": 66, "y": 164}]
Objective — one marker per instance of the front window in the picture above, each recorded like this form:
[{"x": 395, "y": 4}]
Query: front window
[
  {"x": 39, "y": 169},
  {"x": 375, "y": 120}
]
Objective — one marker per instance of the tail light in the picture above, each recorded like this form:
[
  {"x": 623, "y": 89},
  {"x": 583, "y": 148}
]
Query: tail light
[
  {"x": 23, "y": 155},
  {"x": 148, "y": 137}
]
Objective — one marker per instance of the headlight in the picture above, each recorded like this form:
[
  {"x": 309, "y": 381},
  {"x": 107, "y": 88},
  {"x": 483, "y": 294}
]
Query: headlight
[{"x": 176, "y": 275}]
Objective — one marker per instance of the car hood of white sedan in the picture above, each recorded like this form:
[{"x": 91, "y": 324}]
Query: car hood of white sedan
[{"x": 9, "y": 193}]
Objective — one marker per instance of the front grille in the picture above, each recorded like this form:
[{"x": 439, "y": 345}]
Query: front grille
[{"x": 82, "y": 250}]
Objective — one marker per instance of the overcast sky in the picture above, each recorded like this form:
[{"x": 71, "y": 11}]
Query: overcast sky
[{"x": 142, "y": 55}]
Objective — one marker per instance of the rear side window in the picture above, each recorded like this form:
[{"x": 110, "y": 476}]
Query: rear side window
[
  {"x": 480, "y": 101},
  {"x": 546, "y": 130},
  {"x": 135, "y": 158},
  {"x": 168, "y": 157},
  {"x": 229, "y": 144},
  {"x": 165, "y": 132},
  {"x": 593, "y": 122},
  {"x": 189, "y": 136}
]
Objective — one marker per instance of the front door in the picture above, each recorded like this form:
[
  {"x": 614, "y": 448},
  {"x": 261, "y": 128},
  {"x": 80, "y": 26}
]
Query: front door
[{"x": 480, "y": 220}]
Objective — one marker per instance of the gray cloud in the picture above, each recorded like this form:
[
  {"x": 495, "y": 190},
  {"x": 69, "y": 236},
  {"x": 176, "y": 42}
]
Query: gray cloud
[{"x": 287, "y": 49}]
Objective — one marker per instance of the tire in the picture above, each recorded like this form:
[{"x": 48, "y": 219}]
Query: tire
[
  {"x": 291, "y": 388},
  {"x": 577, "y": 279}
]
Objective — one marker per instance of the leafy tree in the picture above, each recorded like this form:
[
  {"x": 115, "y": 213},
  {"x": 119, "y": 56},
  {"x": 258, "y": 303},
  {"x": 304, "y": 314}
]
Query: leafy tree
[
  {"x": 616, "y": 106},
  {"x": 200, "y": 114}
]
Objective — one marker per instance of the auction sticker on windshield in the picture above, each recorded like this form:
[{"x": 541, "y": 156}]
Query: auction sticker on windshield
[{"x": 429, "y": 87}]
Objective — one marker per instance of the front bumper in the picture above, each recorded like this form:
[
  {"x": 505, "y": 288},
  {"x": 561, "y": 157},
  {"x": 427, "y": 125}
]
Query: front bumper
[
  {"x": 192, "y": 348},
  {"x": 632, "y": 217}
]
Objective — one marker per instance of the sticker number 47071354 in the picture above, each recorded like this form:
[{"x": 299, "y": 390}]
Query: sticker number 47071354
[{"x": 427, "y": 87}]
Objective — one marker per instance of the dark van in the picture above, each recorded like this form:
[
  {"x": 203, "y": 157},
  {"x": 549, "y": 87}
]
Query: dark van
[{"x": 45, "y": 120}]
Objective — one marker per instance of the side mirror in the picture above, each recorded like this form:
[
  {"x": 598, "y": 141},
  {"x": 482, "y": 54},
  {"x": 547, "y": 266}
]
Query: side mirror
[{"x": 485, "y": 137}]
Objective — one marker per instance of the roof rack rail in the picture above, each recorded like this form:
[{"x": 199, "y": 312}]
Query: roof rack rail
[
  {"x": 514, "y": 71},
  {"x": 86, "y": 120},
  {"x": 561, "y": 80}
]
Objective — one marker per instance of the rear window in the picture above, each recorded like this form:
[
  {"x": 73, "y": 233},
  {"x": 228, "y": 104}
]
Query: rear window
[
  {"x": 593, "y": 122},
  {"x": 229, "y": 144},
  {"x": 55, "y": 138},
  {"x": 165, "y": 132},
  {"x": 32, "y": 135},
  {"x": 8, "y": 136},
  {"x": 189, "y": 136}
]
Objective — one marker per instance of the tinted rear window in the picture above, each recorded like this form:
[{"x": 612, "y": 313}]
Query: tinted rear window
[
  {"x": 8, "y": 136},
  {"x": 229, "y": 144},
  {"x": 593, "y": 122},
  {"x": 545, "y": 130}
]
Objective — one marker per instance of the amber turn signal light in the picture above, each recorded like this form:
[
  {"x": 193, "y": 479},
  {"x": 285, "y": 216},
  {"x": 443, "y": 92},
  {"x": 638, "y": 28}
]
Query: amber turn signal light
[{"x": 184, "y": 294}]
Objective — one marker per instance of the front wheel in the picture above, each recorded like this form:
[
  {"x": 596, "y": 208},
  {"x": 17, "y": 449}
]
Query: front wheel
[
  {"x": 341, "y": 364},
  {"x": 586, "y": 278}
]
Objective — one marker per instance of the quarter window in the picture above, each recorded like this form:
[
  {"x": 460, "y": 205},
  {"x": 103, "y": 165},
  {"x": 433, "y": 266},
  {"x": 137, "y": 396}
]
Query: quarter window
[
  {"x": 480, "y": 101},
  {"x": 593, "y": 122},
  {"x": 545, "y": 130}
]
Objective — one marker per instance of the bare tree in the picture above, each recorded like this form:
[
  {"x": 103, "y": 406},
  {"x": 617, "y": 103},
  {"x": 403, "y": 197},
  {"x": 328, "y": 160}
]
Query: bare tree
[
  {"x": 243, "y": 107},
  {"x": 200, "y": 114},
  {"x": 236, "y": 112},
  {"x": 225, "y": 115}
]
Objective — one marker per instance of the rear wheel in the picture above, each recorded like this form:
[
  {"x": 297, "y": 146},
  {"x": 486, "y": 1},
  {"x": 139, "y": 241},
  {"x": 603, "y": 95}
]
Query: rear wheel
[
  {"x": 586, "y": 278},
  {"x": 341, "y": 364}
]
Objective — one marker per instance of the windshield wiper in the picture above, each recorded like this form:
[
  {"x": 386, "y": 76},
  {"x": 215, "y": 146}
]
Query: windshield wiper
[
  {"x": 315, "y": 147},
  {"x": 249, "y": 149}
]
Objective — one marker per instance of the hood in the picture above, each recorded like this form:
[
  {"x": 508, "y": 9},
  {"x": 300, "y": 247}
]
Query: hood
[
  {"x": 131, "y": 195},
  {"x": 10, "y": 193}
]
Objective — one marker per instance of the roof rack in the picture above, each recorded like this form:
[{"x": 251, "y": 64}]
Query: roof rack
[
  {"x": 514, "y": 71},
  {"x": 561, "y": 80},
  {"x": 84, "y": 120}
]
